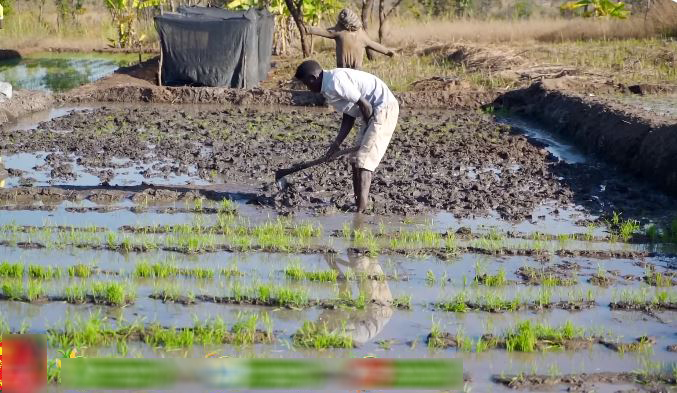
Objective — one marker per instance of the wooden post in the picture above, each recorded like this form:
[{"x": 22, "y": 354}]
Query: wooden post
[{"x": 159, "y": 71}]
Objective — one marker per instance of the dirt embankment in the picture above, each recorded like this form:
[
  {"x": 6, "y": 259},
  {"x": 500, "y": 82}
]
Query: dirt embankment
[
  {"x": 641, "y": 144},
  {"x": 121, "y": 88},
  {"x": 138, "y": 83},
  {"x": 22, "y": 103}
]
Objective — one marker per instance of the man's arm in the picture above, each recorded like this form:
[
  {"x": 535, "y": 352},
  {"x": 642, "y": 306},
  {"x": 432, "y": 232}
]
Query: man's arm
[
  {"x": 366, "y": 109},
  {"x": 378, "y": 47},
  {"x": 320, "y": 32},
  {"x": 347, "y": 124}
]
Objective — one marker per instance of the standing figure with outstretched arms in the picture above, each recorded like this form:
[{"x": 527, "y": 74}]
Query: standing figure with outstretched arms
[{"x": 351, "y": 40}]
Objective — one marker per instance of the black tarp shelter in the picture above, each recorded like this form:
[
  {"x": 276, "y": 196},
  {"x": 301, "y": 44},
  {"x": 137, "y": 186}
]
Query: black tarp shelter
[{"x": 206, "y": 46}]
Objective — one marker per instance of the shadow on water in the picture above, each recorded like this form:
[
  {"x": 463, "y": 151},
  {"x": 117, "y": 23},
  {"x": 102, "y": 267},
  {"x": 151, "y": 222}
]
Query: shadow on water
[
  {"x": 597, "y": 186},
  {"x": 58, "y": 72}
]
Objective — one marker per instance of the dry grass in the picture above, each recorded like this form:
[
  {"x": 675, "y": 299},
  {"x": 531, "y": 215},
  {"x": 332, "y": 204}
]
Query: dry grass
[
  {"x": 661, "y": 21},
  {"x": 23, "y": 29},
  {"x": 627, "y": 61}
]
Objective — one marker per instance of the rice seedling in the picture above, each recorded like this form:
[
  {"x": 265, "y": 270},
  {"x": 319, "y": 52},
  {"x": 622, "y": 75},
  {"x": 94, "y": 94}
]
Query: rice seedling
[
  {"x": 198, "y": 205},
  {"x": 642, "y": 344},
  {"x": 486, "y": 343},
  {"x": 435, "y": 340},
  {"x": 76, "y": 293},
  {"x": 245, "y": 329},
  {"x": 525, "y": 336},
  {"x": 34, "y": 290},
  {"x": 121, "y": 347},
  {"x": 82, "y": 271},
  {"x": 658, "y": 279},
  {"x": 544, "y": 297},
  {"x": 172, "y": 293},
  {"x": 318, "y": 336},
  {"x": 496, "y": 280},
  {"x": 386, "y": 345},
  {"x": 11, "y": 270},
  {"x": 293, "y": 271},
  {"x": 625, "y": 229},
  {"x": 79, "y": 332},
  {"x": 233, "y": 271},
  {"x": 430, "y": 278},
  {"x": 4, "y": 326},
  {"x": 457, "y": 304},
  {"x": 43, "y": 272},
  {"x": 227, "y": 207},
  {"x": 450, "y": 244},
  {"x": 13, "y": 290},
  {"x": 463, "y": 342},
  {"x": 345, "y": 299},
  {"x": 590, "y": 231},
  {"x": 113, "y": 293},
  {"x": 170, "y": 338},
  {"x": 402, "y": 302}
]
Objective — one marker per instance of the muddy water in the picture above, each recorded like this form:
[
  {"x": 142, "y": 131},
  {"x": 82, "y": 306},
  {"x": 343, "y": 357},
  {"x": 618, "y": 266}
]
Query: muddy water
[
  {"x": 58, "y": 72},
  {"x": 378, "y": 328}
]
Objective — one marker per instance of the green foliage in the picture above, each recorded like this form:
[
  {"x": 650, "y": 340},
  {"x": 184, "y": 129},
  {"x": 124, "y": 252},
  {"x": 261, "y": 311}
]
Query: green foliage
[
  {"x": 597, "y": 8},
  {"x": 125, "y": 14},
  {"x": 7, "y": 6}
]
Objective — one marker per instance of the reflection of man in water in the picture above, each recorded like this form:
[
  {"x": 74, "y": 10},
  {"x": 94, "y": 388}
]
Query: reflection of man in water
[{"x": 362, "y": 325}]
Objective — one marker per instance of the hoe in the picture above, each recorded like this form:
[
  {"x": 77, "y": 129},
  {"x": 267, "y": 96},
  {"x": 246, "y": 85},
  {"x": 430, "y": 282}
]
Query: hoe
[{"x": 280, "y": 174}]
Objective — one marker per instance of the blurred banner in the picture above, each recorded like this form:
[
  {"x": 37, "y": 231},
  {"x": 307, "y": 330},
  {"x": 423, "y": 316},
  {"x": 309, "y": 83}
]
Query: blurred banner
[
  {"x": 23, "y": 363},
  {"x": 262, "y": 374}
]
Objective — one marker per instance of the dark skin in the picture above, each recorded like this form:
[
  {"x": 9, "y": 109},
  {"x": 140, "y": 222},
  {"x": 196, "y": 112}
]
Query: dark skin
[{"x": 361, "y": 177}]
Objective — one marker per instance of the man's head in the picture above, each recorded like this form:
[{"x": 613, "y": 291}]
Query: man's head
[{"x": 310, "y": 73}]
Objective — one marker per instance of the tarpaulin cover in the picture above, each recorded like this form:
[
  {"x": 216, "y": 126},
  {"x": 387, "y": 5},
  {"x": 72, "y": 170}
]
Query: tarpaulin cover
[{"x": 207, "y": 46}]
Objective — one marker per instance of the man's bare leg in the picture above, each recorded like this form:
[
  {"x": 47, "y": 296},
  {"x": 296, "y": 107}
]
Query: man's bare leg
[
  {"x": 365, "y": 184},
  {"x": 356, "y": 184}
]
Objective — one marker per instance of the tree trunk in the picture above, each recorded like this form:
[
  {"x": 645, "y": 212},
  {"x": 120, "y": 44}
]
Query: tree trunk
[
  {"x": 381, "y": 19},
  {"x": 367, "y": 5},
  {"x": 296, "y": 11},
  {"x": 383, "y": 15}
]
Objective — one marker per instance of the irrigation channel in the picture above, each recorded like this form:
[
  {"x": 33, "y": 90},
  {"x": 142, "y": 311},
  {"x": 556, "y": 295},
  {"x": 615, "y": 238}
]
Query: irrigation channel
[
  {"x": 57, "y": 72},
  {"x": 163, "y": 221}
]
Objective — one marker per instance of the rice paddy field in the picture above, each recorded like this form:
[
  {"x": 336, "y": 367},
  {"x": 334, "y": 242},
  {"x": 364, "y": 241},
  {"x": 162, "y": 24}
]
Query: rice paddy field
[{"x": 202, "y": 263}]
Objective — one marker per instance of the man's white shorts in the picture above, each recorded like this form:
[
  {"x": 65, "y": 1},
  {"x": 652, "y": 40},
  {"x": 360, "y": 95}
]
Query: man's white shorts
[{"x": 375, "y": 137}]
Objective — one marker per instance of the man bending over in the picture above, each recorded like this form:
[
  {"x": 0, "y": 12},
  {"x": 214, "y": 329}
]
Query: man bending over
[{"x": 356, "y": 94}]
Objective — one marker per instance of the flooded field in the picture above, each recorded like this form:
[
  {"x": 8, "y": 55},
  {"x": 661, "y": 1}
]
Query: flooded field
[
  {"x": 57, "y": 72},
  {"x": 158, "y": 232}
]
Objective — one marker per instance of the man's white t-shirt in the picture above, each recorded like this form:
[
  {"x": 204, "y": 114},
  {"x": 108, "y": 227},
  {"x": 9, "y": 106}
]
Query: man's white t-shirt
[{"x": 343, "y": 87}]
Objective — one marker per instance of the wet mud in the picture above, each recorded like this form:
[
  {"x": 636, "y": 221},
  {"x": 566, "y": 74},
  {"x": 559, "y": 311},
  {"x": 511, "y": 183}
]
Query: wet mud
[
  {"x": 584, "y": 382},
  {"x": 481, "y": 165},
  {"x": 22, "y": 103}
]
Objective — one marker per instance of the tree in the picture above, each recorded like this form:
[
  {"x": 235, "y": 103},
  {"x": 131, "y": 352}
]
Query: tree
[
  {"x": 600, "y": 8},
  {"x": 383, "y": 16},
  {"x": 282, "y": 32},
  {"x": 125, "y": 14},
  {"x": 296, "y": 11},
  {"x": 367, "y": 6},
  {"x": 67, "y": 12}
]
